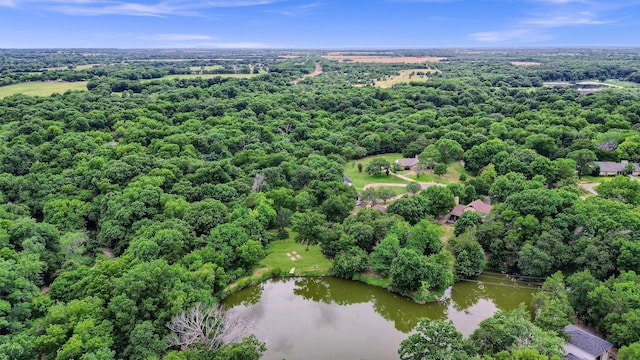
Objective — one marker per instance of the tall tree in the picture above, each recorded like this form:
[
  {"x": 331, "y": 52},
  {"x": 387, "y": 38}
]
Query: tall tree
[
  {"x": 434, "y": 339},
  {"x": 584, "y": 160},
  {"x": 309, "y": 225}
]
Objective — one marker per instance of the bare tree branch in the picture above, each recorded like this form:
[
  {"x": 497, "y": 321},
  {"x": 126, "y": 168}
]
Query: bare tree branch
[{"x": 207, "y": 326}]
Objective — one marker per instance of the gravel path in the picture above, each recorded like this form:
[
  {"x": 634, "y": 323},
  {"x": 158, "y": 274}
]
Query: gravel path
[{"x": 589, "y": 187}]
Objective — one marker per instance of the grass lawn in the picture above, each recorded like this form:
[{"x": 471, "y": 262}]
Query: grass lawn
[
  {"x": 311, "y": 262},
  {"x": 373, "y": 279},
  {"x": 448, "y": 232},
  {"x": 360, "y": 179},
  {"x": 595, "y": 179},
  {"x": 397, "y": 190},
  {"x": 41, "y": 88},
  {"x": 454, "y": 171}
]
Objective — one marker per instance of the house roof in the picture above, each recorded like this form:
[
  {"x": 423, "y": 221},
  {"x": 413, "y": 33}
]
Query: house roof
[
  {"x": 480, "y": 206},
  {"x": 570, "y": 356},
  {"x": 610, "y": 166},
  {"x": 347, "y": 180},
  {"x": 458, "y": 210},
  {"x": 407, "y": 162},
  {"x": 586, "y": 341}
]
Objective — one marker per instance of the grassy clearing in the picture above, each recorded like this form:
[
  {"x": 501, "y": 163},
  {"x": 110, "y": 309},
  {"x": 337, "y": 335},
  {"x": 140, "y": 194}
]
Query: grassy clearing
[
  {"x": 595, "y": 179},
  {"x": 452, "y": 176},
  {"x": 448, "y": 232},
  {"x": 405, "y": 76},
  {"x": 85, "y": 66},
  {"x": 397, "y": 190},
  {"x": 312, "y": 262},
  {"x": 360, "y": 179},
  {"x": 206, "y": 68},
  {"x": 373, "y": 279},
  {"x": 621, "y": 83},
  {"x": 278, "y": 263},
  {"x": 41, "y": 88}
]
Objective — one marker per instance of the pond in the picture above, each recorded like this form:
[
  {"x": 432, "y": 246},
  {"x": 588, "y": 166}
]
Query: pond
[{"x": 329, "y": 318}]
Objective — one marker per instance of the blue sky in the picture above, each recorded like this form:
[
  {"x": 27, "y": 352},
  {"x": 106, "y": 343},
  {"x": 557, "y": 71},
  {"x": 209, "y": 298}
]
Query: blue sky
[{"x": 318, "y": 23}]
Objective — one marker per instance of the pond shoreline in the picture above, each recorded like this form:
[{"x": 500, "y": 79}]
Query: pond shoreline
[{"x": 296, "y": 315}]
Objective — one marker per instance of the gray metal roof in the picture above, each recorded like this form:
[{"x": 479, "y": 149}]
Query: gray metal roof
[
  {"x": 610, "y": 166},
  {"x": 571, "y": 357},
  {"x": 586, "y": 340},
  {"x": 347, "y": 180}
]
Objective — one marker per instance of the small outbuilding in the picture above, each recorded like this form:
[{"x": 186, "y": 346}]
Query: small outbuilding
[{"x": 583, "y": 345}]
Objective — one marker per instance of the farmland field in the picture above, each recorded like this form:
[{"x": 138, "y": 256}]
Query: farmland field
[
  {"x": 375, "y": 58},
  {"x": 41, "y": 88}
]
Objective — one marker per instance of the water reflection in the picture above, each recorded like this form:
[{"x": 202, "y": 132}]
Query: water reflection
[{"x": 319, "y": 318}]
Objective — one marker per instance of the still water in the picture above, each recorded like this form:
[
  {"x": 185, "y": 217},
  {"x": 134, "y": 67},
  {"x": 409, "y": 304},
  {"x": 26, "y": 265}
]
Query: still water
[{"x": 329, "y": 318}]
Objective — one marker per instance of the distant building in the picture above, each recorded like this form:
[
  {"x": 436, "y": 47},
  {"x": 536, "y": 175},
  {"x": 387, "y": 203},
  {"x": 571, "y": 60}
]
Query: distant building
[
  {"x": 476, "y": 205},
  {"x": 408, "y": 163},
  {"x": 583, "y": 345},
  {"x": 610, "y": 168}
]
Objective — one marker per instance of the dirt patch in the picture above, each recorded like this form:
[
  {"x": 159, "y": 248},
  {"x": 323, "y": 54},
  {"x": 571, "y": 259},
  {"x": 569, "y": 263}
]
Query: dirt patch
[
  {"x": 108, "y": 252},
  {"x": 525, "y": 63},
  {"x": 259, "y": 271},
  {"x": 317, "y": 71},
  {"x": 383, "y": 59}
]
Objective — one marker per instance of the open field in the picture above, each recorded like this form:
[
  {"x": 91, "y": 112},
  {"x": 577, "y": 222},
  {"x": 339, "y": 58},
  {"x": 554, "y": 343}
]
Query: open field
[
  {"x": 405, "y": 76},
  {"x": 525, "y": 63},
  {"x": 205, "y": 68},
  {"x": 360, "y": 179},
  {"x": 311, "y": 261},
  {"x": 381, "y": 59},
  {"x": 626, "y": 85},
  {"x": 85, "y": 66},
  {"x": 207, "y": 76},
  {"x": 454, "y": 171},
  {"x": 41, "y": 88}
]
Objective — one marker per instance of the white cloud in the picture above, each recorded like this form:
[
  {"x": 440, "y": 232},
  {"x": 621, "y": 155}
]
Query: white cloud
[
  {"x": 129, "y": 8},
  {"x": 220, "y": 45},
  {"x": 178, "y": 37},
  {"x": 295, "y": 10},
  {"x": 501, "y": 36},
  {"x": 566, "y": 21}
]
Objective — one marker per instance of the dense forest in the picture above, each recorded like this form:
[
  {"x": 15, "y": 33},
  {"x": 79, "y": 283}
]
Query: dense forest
[{"x": 131, "y": 206}]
